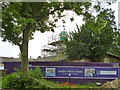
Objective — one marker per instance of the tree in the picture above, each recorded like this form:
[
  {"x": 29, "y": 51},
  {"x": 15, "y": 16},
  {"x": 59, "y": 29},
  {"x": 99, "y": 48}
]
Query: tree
[
  {"x": 21, "y": 19},
  {"x": 115, "y": 49},
  {"x": 93, "y": 39}
]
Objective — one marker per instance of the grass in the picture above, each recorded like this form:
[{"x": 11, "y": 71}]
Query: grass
[
  {"x": 89, "y": 85},
  {"x": 52, "y": 84},
  {"x": 47, "y": 83}
]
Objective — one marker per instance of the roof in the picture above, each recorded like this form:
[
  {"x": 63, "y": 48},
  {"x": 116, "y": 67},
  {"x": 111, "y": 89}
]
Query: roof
[
  {"x": 9, "y": 59},
  {"x": 56, "y": 42},
  {"x": 111, "y": 54},
  {"x": 64, "y": 33},
  {"x": 49, "y": 50}
]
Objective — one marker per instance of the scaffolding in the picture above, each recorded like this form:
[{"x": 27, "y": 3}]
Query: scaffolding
[
  {"x": 51, "y": 48},
  {"x": 55, "y": 47}
]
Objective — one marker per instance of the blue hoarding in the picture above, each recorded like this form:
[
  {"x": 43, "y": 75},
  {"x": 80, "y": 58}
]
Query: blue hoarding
[{"x": 79, "y": 72}]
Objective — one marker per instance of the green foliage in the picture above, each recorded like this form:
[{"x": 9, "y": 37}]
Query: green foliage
[
  {"x": 94, "y": 39},
  {"x": 18, "y": 16},
  {"x": 36, "y": 73},
  {"x": 115, "y": 49},
  {"x": 0, "y": 84},
  {"x": 49, "y": 84},
  {"x": 20, "y": 80},
  {"x": 91, "y": 86}
]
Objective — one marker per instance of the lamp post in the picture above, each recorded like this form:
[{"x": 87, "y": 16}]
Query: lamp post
[{"x": 70, "y": 80}]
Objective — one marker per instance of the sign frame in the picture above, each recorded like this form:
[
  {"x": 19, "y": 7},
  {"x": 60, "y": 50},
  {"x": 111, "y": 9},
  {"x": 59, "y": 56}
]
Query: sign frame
[{"x": 103, "y": 74}]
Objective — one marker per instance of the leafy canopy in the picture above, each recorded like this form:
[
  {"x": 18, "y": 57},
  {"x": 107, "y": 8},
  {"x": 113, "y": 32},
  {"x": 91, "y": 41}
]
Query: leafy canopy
[
  {"x": 93, "y": 39},
  {"x": 19, "y": 16}
]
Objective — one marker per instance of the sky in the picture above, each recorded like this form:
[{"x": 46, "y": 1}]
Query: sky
[{"x": 41, "y": 39}]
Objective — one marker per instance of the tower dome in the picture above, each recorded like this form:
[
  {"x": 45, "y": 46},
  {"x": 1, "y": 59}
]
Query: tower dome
[{"x": 63, "y": 35}]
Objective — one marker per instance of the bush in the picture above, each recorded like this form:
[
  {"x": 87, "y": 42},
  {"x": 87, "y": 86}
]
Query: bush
[
  {"x": 21, "y": 80},
  {"x": 33, "y": 80},
  {"x": 37, "y": 73},
  {"x": 17, "y": 80}
]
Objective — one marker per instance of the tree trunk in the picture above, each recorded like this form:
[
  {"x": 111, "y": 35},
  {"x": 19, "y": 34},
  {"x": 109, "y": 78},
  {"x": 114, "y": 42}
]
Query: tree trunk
[{"x": 24, "y": 50}]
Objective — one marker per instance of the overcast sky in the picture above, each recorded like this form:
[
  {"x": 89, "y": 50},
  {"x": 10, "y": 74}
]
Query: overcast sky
[{"x": 41, "y": 39}]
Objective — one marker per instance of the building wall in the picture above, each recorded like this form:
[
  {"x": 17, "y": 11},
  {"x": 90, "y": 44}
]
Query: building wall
[{"x": 110, "y": 59}]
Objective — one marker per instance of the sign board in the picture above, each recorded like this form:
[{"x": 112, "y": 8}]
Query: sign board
[{"x": 79, "y": 72}]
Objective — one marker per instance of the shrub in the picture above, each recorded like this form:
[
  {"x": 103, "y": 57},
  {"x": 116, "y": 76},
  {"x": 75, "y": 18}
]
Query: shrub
[
  {"x": 20, "y": 80},
  {"x": 17, "y": 80},
  {"x": 37, "y": 73}
]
